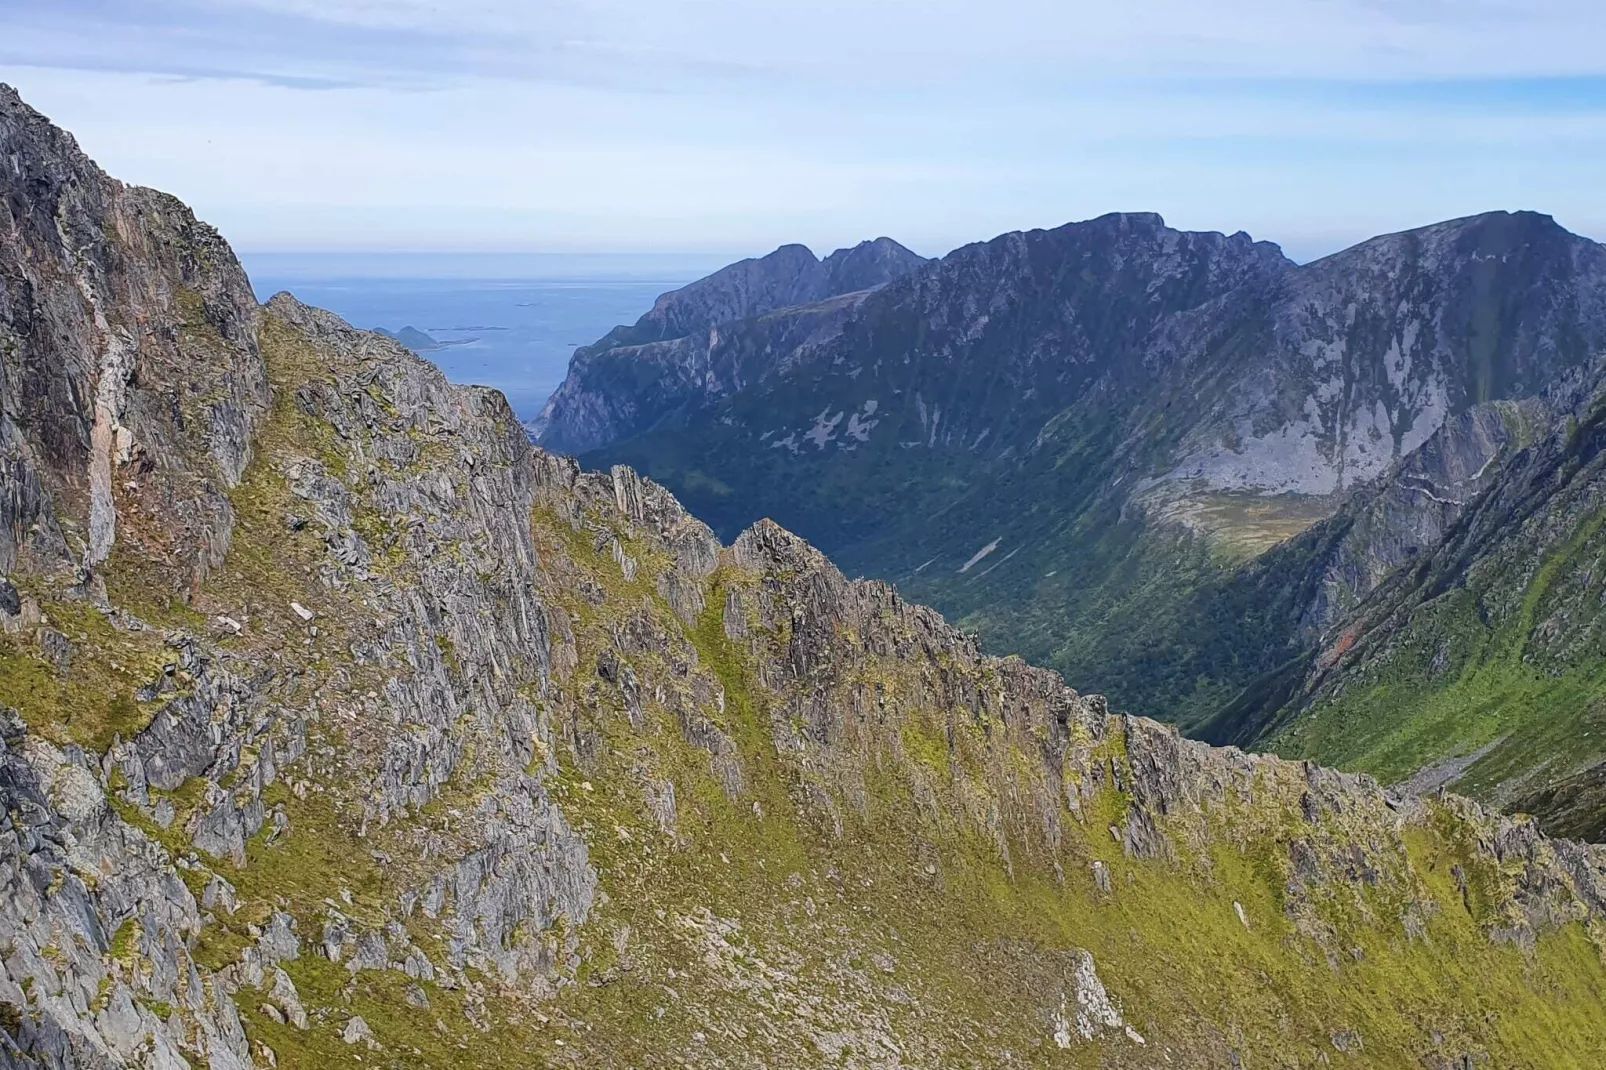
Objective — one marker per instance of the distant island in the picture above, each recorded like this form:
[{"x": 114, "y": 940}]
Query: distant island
[{"x": 421, "y": 341}]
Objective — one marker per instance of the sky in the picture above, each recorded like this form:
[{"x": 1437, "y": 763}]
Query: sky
[{"x": 732, "y": 126}]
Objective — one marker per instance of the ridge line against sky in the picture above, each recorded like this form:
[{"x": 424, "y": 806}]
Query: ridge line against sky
[{"x": 732, "y": 126}]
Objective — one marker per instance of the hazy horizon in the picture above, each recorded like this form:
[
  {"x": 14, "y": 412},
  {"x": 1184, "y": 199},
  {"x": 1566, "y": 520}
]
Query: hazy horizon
[
  {"x": 643, "y": 265},
  {"x": 728, "y": 128},
  {"x": 481, "y": 264}
]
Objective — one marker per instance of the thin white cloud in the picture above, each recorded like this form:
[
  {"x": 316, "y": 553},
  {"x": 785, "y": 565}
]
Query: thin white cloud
[
  {"x": 743, "y": 123},
  {"x": 871, "y": 43}
]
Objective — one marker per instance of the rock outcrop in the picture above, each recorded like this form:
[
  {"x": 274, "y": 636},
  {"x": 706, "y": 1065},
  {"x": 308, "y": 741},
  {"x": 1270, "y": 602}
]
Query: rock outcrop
[
  {"x": 133, "y": 383},
  {"x": 457, "y": 755},
  {"x": 1479, "y": 630}
]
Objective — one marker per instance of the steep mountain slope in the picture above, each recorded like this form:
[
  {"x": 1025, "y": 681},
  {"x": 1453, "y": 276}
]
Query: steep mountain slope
[
  {"x": 1245, "y": 628},
  {"x": 1068, "y": 439},
  {"x": 1479, "y": 661},
  {"x": 432, "y": 750},
  {"x": 637, "y": 376},
  {"x": 934, "y": 378}
]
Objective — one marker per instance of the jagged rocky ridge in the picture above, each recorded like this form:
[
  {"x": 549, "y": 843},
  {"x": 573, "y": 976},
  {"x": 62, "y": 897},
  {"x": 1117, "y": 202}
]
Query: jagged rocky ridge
[
  {"x": 455, "y": 755},
  {"x": 1161, "y": 462}
]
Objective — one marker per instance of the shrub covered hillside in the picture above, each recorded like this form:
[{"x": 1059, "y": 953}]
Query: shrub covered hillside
[{"x": 342, "y": 727}]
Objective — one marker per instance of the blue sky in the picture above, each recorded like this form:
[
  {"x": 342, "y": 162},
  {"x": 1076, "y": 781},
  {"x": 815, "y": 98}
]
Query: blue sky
[{"x": 735, "y": 125}]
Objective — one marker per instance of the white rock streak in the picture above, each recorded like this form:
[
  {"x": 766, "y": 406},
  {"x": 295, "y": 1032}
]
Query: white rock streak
[{"x": 978, "y": 555}]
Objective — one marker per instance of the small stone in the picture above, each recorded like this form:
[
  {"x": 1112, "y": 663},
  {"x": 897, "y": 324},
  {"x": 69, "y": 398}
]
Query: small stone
[
  {"x": 301, "y": 611},
  {"x": 56, "y": 648},
  {"x": 357, "y": 1031},
  {"x": 284, "y": 992},
  {"x": 1238, "y": 908}
]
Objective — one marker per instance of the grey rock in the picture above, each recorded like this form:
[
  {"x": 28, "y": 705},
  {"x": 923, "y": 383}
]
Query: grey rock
[
  {"x": 78, "y": 314},
  {"x": 357, "y": 1032},
  {"x": 429, "y": 717},
  {"x": 288, "y": 999}
]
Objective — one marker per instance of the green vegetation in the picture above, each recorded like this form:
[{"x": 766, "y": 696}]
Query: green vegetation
[
  {"x": 887, "y": 857},
  {"x": 894, "y": 882},
  {"x": 89, "y": 699},
  {"x": 1489, "y": 652}
]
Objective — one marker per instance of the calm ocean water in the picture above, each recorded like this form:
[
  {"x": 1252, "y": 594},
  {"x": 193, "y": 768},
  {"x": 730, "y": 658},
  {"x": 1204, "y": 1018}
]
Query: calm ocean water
[{"x": 512, "y": 333}]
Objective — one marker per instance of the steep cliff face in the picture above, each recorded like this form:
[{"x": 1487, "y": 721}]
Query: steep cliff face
[
  {"x": 457, "y": 755},
  {"x": 1391, "y": 522},
  {"x": 128, "y": 334},
  {"x": 940, "y": 383},
  {"x": 672, "y": 358},
  {"x": 1354, "y": 361}
]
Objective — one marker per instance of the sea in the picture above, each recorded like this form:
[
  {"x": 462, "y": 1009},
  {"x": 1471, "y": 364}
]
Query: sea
[{"x": 505, "y": 321}]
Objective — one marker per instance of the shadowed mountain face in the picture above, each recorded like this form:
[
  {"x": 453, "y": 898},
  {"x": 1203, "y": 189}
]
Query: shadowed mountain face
[
  {"x": 342, "y": 727},
  {"x": 637, "y": 376}
]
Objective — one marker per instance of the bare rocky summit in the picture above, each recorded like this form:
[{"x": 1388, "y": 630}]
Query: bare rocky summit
[{"x": 363, "y": 732}]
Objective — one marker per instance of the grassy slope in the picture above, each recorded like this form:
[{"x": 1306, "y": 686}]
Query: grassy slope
[
  {"x": 1492, "y": 647},
  {"x": 1168, "y": 941},
  {"x": 757, "y": 922},
  {"x": 1457, "y": 682},
  {"x": 1167, "y": 614}
]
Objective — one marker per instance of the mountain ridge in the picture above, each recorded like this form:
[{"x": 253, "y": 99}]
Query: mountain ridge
[
  {"x": 684, "y": 321},
  {"x": 455, "y": 754},
  {"x": 1183, "y": 441}
]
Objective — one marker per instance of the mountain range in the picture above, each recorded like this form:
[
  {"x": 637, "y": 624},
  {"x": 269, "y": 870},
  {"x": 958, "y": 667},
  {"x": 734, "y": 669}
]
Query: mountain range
[
  {"x": 341, "y": 726},
  {"x": 1175, "y": 466}
]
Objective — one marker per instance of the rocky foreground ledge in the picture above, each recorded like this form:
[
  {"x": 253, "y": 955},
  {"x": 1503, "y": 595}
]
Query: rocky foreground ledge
[{"x": 344, "y": 727}]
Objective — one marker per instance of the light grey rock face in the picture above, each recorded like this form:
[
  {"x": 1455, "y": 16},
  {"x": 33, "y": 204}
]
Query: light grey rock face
[
  {"x": 1410, "y": 510},
  {"x": 673, "y": 358},
  {"x": 455, "y": 463},
  {"x": 1352, "y": 362},
  {"x": 135, "y": 389},
  {"x": 1225, "y": 367},
  {"x": 128, "y": 342},
  {"x": 1508, "y": 565},
  {"x": 95, "y": 921},
  {"x": 497, "y": 879}
]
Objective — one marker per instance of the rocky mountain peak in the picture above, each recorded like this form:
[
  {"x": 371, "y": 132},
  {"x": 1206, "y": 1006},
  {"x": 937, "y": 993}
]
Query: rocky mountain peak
[
  {"x": 120, "y": 295},
  {"x": 868, "y": 265},
  {"x": 670, "y": 353},
  {"x": 791, "y": 275}
]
